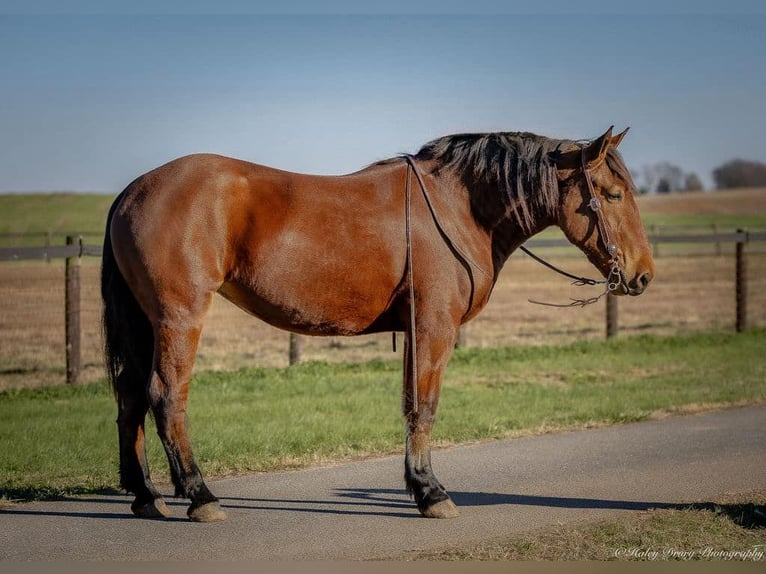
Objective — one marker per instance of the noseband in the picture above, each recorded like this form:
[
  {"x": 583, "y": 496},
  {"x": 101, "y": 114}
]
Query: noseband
[{"x": 614, "y": 278}]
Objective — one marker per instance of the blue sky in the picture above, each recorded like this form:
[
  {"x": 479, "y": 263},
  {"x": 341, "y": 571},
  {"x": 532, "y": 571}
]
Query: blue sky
[{"x": 89, "y": 101}]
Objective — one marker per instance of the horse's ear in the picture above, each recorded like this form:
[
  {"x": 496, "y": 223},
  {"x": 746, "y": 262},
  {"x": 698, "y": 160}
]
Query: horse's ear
[
  {"x": 618, "y": 138},
  {"x": 593, "y": 153}
]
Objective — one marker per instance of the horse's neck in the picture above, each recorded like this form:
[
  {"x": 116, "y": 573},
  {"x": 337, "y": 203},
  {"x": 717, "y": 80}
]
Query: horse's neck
[
  {"x": 490, "y": 215},
  {"x": 509, "y": 235}
]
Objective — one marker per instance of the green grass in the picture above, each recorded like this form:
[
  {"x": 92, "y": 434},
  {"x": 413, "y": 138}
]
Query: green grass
[
  {"x": 676, "y": 224},
  {"x": 62, "y": 440},
  {"x": 705, "y": 222},
  {"x": 35, "y": 214}
]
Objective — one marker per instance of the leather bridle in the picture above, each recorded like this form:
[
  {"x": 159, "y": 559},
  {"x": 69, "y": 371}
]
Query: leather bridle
[{"x": 614, "y": 278}]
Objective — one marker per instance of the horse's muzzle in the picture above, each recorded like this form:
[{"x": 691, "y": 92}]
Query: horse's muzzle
[{"x": 638, "y": 284}]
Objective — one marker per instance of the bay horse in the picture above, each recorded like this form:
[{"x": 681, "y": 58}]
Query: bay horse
[{"x": 373, "y": 251}]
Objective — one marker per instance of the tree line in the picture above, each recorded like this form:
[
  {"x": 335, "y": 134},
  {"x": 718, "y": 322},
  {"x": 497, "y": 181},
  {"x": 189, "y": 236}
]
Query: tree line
[{"x": 664, "y": 177}]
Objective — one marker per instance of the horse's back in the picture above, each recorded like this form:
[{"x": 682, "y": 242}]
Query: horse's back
[{"x": 300, "y": 251}]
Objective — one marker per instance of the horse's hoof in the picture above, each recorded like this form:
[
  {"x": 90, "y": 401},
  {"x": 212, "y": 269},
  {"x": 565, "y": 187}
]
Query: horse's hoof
[
  {"x": 210, "y": 512},
  {"x": 442, "y": 509},
  {"x": 154, "y": 509}
]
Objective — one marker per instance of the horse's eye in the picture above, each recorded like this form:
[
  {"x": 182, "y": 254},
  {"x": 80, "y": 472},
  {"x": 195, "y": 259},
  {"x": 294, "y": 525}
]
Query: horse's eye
[{"x": 614, "y": 194}]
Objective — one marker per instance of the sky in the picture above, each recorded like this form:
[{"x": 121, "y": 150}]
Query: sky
[{"x": 93, "y": 95}]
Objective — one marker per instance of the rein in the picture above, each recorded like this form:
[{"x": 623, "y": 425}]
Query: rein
[
  {"x": 614, "y": 278},
  {"x": 612, "y": 282},
  {"x": 411, "y": 281},
  {"x": 461, "y": 255}
]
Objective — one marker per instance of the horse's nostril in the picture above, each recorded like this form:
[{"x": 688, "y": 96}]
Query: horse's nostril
[{"x": 644, "y": 279}]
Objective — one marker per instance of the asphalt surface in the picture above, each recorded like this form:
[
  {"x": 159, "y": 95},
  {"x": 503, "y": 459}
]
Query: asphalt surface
[{"x": 360, "y": 510}]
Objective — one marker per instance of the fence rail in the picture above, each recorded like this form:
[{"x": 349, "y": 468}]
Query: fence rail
[
  {"x": 79, "y": 249},
  {"x": 75, "y": 250}
]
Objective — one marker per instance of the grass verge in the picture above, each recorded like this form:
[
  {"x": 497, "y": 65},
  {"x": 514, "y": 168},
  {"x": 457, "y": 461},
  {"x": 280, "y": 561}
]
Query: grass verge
[
  {"x": 62, "y": 440},
  {"x": 731, "y": 528}
]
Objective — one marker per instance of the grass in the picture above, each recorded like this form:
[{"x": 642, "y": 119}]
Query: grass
[
  {"x": 730, "y": 529},
  {"x": 727, "y": 210},
  {"x": 704, "y": 222},
  {"x": 62, "y": 440},
  {"x": 36, "y": 214}
]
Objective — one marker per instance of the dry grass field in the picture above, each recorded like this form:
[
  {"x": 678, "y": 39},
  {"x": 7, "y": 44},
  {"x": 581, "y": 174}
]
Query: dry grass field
[
  {"x": 731, "y": 202},
  {"x": 690, "y": 294}
]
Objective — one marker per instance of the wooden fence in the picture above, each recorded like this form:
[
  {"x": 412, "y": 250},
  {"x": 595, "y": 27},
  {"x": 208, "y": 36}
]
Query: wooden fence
[{"x": 74, "y": 250}]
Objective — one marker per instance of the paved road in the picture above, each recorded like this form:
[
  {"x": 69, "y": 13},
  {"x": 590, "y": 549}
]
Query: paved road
[{"x": 359, "y": 510}]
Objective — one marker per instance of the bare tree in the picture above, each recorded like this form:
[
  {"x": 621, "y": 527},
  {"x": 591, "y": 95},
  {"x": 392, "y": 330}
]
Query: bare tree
[
  {"x": 671, "y": 174},
  {"x": 692, "y": 182},
  {"x": 650, "y": 178},
  {"x": 662, "y": 177}
]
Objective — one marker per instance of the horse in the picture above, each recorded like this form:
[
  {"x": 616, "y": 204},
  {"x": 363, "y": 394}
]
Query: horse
[{"x": 412, "y": 244}]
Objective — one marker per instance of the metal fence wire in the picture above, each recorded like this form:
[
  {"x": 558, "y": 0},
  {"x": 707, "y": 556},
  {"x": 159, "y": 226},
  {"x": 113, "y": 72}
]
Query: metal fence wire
[{"x": 691, "y": 293}]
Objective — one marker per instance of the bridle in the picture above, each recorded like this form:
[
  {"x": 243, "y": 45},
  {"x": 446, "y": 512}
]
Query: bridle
[
  {"x": 614, "y": 278},
  {"x": 612, "y": 281}
]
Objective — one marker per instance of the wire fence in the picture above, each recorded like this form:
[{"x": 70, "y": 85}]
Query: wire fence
[{"x": 695, "y": 290}]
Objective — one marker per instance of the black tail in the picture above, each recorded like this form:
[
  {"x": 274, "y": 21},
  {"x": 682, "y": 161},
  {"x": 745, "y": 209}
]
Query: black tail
[{"x": 128, "y": 337}]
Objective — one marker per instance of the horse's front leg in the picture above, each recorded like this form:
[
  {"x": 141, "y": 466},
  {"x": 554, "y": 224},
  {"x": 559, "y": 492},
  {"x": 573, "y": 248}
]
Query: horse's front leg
[{"x": 432, "y": 356}]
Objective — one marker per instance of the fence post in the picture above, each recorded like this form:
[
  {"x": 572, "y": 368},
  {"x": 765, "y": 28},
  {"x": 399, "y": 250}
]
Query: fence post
[
  {"x": 717, "y": 243},
  {"x": 48, "y": 243},
  {"x": 72, "y": 311},
  {"x": 741, "y": 283},
  {"x": 296, "y": 344},
  {"x": 611, "y": 316}
]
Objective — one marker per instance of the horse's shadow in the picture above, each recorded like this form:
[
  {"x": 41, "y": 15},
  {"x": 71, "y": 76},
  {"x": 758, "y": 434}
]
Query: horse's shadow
[
  {"x": 394, "y": 503},
  {"x": 469, "y": 499}
]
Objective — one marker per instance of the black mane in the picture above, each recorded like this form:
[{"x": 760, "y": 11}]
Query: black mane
[{"x": 518, "y": 165}]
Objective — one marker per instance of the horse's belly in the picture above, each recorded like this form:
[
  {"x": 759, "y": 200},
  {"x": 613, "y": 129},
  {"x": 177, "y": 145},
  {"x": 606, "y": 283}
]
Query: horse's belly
[
  {"x": 312, "y": 308},
  {"x": 323, "y": 263}
]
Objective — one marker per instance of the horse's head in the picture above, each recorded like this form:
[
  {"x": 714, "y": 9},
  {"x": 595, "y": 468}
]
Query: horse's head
[{"x": 601, "y": 216}]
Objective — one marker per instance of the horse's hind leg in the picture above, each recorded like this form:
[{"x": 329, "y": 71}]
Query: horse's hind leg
[
  {"x": 175, "y": 349},
  {"x": 430, "y": 496},
  {"x": 134, "y": 469}
]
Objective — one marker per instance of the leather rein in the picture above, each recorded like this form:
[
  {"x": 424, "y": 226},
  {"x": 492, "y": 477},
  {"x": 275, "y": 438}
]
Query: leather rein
[
  {"x": 464, "y": 258},
  {"x": 612, "y": 282}
]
